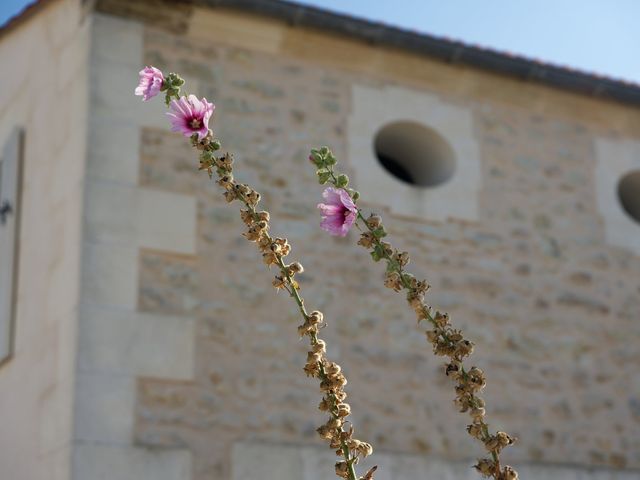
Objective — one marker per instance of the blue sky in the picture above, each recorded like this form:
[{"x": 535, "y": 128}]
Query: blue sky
[{"x": 601, "y": 36}]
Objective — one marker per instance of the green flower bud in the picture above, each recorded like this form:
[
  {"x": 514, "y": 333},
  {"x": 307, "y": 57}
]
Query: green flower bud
[{"x": 342, "y": 181}]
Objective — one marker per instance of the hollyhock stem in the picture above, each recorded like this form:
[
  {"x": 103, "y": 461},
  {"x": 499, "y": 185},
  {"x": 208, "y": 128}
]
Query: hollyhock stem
[
  {"x": 446, "y": 340},
  {"x": 274, "y": 250}
]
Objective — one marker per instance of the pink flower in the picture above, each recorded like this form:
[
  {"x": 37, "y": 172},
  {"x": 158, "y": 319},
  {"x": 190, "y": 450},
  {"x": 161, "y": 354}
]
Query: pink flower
[
  {"x": 339, "y": 213},
  {"x": 191, "y": 115},
  {"x": 151, "y": 80}
]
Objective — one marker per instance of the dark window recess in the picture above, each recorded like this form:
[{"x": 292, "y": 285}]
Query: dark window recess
[{"x": 414, "y": 154}]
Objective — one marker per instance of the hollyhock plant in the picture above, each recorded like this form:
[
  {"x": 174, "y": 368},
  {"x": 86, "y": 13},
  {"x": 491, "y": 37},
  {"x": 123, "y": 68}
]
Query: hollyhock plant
[
  {"x": 339, "y": 213},
  {"x": 190, "y": 115},
  {"x": 151, "y": 80}
]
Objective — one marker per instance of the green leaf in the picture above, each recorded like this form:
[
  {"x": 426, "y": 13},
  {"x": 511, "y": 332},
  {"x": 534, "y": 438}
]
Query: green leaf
[
  {"x": 379, "y": 232},
  {"x": 378, "y": 253},
  {"x": 323, "y": 177}
]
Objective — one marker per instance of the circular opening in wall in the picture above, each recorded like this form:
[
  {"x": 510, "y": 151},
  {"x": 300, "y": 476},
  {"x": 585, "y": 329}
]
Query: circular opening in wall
[
  {"x": 629, "y": 194},
  {"x": 414, "y": 154}
]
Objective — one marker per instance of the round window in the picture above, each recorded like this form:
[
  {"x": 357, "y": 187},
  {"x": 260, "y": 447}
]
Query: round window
[
  {"x": 414, "y": 154},
  {"x": 629, "y": 194}
]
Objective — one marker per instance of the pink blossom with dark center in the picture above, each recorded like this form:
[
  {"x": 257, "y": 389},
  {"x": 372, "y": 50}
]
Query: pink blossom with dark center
[
  {"x": 190, "y": 115},
  {"x": 338, "y": 213},
  {"x": 151, "y": 80}
]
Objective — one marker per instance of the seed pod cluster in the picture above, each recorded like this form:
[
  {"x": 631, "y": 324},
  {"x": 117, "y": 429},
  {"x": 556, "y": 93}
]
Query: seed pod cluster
[
  {"x": 445, "y": 340},
  {"x": 274, "y": 250}
]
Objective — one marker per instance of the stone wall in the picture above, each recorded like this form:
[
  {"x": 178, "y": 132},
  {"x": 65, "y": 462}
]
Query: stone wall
[
  {"x": 179, "y": 324},
  {"x": 44, "y": 91}
]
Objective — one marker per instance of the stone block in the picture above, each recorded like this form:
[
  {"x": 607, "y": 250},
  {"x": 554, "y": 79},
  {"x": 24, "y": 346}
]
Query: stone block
[
  {"x": 103, "y": 462},
  {"x": 113, "y": 341},
  {"x": 125, "y": 215},
  {"x": 167, "y": 221},
  {"x": 117, "y": 40},
  {"x": 104, "y": 408},
  {"x": 110, "y": 275},
  {"x": 113, "y": 150}
]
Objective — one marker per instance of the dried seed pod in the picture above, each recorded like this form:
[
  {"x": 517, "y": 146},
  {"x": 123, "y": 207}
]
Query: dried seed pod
[
  {"x": 463, "y": 348},
  {"x": 325, "y": 404},
  {"x": 226, "y": 181},
  {"x": 253, "y": 198},
  {"x": 229, "y": 196},
  {"x": 485, "y": 467},
  {"x": 441, "y": 319},
  {"x": 335, "y": 423},
  {"x": 263, "y": 216},
  {"x": 392, "y": 280},
  {"x": 475, "y": 430},
  {"x": 343, "y": 410},
  {"x": 366, "y": 240},
  {"x": 294, "y": 268},
  {"x": 504, "y": 439},
  {"x": 365, "y": 449},
  {"x": 319, "y": 346},
  {"x": 332, "y": 369},
  {"x": 369, "y": 474},
  {"x": 477, "y": 413},
  {"x": 508, "y": 473},
  {"x": 278, "y": 282},
  {"x": 246, "y": 216},
  {"x": 402, "y": 258},
  {"x": 315, "y": 317},
  {"x": 269, "y": 259},
  {"x": 312, "y": 370},
  {"x": 313, "y": 357},
  {"x": 324, "y": 432},
  {"x": 374, "y": 221},
  {"x": 387, "y": 247},
  {"x": 453, "y": 369},
  {"x": 342, "y": 469}
]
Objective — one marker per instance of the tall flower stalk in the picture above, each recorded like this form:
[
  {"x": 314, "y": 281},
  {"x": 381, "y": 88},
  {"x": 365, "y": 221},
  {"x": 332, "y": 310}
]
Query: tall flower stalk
[
  {"x": 447, "y": 341},
  {"x": 190, "y": 116}
]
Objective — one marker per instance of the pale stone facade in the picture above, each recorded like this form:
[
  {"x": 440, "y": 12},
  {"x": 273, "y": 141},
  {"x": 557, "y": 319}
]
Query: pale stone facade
[
  {"x": 158, "y": 349},
  {"x": 43, "y": 91}
]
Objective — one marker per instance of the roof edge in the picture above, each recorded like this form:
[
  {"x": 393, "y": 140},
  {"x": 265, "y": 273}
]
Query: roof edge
[
  {"x": 24, "y": 15},
  {"x": 448, "y": 51}
]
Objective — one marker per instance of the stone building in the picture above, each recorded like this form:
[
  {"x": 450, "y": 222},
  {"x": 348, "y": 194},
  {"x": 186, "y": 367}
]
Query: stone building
[{"x": 139, "y": 334}]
